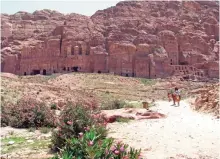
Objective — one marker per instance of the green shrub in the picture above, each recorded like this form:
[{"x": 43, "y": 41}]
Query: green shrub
[
  {"x": 147, "y": 81},
  {"x": 2, "y": 99},
  {"x": 31, "y": 129},
  {"x": 82, "y": 135},
  {"x": 53, "y": 106},
  {"x": 11, "y": 133},
  {"x": 92, "y": 146},
  {"x": 74, "y": 119},
  {"x": 129, "y": 105},
  {"x": 27, "y": 113},
  {"x": 113, "y": 104},
  {"x": 122, "y": 120},
  {"x": 45, "y": 130}
]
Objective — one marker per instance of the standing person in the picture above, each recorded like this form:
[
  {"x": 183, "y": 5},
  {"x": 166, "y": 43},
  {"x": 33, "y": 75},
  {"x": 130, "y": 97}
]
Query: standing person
[{"x": 176, "y": 96}]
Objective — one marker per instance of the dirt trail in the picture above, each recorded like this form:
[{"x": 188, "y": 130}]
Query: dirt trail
[{"x": 183, "y": 134}]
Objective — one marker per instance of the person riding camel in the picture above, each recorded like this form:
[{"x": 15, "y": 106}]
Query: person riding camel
[{"x": 176, "y": 96}]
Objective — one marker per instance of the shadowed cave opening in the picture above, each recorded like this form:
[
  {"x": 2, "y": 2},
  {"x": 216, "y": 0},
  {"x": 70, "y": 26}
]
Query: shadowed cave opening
[
  {"x": 184, "y": 63},
  {"x": 75, "y": 68},
  {"x": 44, "y": 72},
  {"x": 99, "y": 71},
  {"x": 36, "y": 72},
  {"x": 80, "y": 50},
  {"x": 186, "y": 77}
]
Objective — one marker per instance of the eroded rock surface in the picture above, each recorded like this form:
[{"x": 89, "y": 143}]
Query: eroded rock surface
[
  {"x": 144, "y": 39},
  {"x": 130, "y": 113},
  {"x": 208, "y": 99}
]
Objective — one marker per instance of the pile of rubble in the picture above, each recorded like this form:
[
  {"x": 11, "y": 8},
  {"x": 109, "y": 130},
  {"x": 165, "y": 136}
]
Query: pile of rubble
[{"x": 208, "y": 99}]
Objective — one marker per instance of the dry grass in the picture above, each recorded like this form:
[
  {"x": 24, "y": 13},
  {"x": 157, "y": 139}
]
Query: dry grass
[{"x": 87, "y": 87}]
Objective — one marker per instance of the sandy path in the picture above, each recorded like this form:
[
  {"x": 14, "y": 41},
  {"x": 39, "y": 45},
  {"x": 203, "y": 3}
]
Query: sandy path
[{"x": 183, "y": 134}]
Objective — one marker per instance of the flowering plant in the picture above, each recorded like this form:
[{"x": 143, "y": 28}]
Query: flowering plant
[
  {"x": 75, "y": 119},
  {"x": 91, "y": 145},
  {"x": 27, "y": 112}
]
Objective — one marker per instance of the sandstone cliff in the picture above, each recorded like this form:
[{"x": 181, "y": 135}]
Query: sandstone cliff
[{"x": 138, "y": 38}]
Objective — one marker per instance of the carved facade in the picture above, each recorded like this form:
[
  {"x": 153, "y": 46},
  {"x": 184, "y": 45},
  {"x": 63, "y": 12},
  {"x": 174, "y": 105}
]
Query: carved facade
[
  {"x": 47, "y": 58},
  {"x": 167, "y": 38},
  {"x": 72, "y": 58}
]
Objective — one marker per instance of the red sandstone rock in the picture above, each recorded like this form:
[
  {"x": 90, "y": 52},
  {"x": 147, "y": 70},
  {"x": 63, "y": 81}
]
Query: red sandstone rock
[
  {"x": 207, "y": 99},
  {"x": 143, "y": 38},
  {"x": 132, "y": 113}
]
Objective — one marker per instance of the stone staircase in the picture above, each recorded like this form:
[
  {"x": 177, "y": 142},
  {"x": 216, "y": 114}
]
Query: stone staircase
[{"x": 189, "y": 72}]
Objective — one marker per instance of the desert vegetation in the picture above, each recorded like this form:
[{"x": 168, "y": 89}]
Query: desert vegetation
[
  {"x": 79, "y": 130},
  {"x": 86, "y": 115},
  {"x": 27, "y": 113},
  {"x": 82, "y": 134},
  {"x": 68, "y": 122}
]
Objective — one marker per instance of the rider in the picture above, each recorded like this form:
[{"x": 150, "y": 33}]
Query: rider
[{"x": 176, "y": 96}]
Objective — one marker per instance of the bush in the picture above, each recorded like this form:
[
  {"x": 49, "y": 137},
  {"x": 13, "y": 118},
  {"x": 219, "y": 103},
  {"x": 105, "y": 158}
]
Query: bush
[
  {"x": 53, "y": 106},
  {"x": 122, "y": 120},
  {"x": 147, "y": 81},
  {"x": 45, "y": 130},
  {"x": 31, "y": 129},
  {"x": 75, "y": 119},
  {"x": 27, "y": 113},
  {"x": 92, "y": 146},
  {"x": 82, "y": 134},
  {"x": 129, "y": 105},
  {"x": 113, "y": 104}
]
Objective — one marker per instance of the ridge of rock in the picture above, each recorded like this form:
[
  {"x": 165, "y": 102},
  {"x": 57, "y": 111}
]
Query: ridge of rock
[{"x": 147, "y": 39}]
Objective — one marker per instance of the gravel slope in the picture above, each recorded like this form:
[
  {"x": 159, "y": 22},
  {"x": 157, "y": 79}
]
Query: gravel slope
[{"x": 183, "y": 134}]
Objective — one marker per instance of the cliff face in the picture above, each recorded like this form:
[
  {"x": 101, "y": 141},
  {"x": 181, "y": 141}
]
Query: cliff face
[{"x": 144, "y": 39}]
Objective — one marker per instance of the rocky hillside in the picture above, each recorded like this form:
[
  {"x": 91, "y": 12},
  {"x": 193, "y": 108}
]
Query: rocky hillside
[
  {"x": 207, "y": 99},
  {"x": 170, "y": 33},
  {"x": 26, "y": 29}
]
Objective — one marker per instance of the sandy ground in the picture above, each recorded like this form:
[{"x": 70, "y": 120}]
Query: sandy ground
[
  {"x": 25, "y": 150},
  {"x": 183, "y": 134}
]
